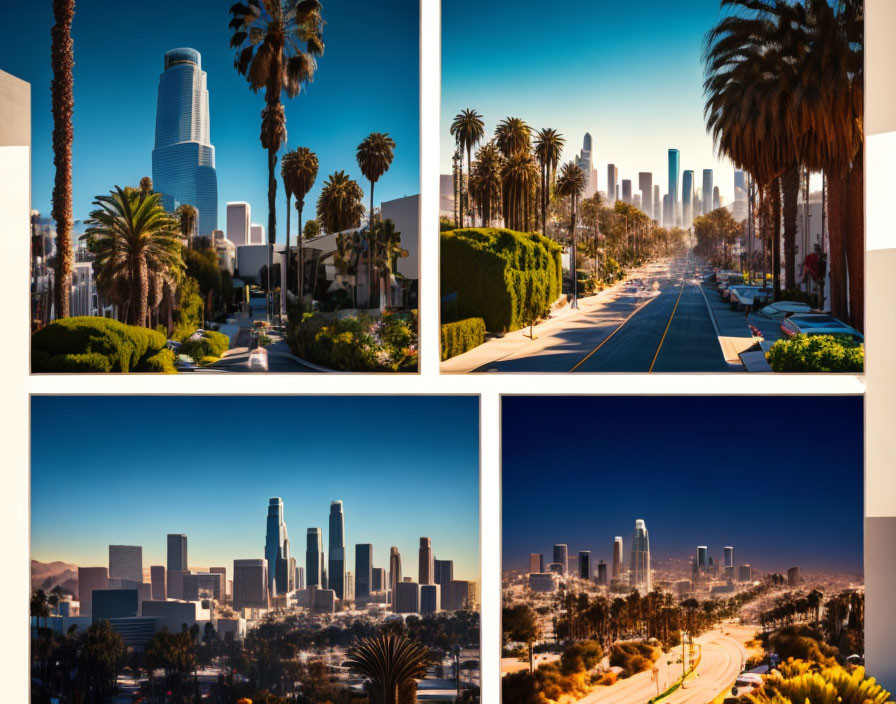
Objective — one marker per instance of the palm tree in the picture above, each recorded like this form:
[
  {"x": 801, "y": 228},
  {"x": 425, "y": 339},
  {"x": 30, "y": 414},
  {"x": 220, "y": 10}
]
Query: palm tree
[
  {"x": 272, "y": 59},
  {"x": 187, "y": 215},
  {"x": 133, "y": 239},
  {"x": 512, "y": 136},
  {"x": 467, "y": 130},
  {"x": 299, "y": 172},
  {"x": 62, "y": 60},
  {"x": 339, "y": 208},
  {"x": 388, "y": 250},
  {"x": 548, "y": 148},
  {"x": 518, "y": 183},
  {"x": 375, "y": 155},
  {"x": 571, "y": 182},
  {"x": 485, "y": 182},
  {"x": 389, "y": 662},
  {"x": 146, "y": 184}
]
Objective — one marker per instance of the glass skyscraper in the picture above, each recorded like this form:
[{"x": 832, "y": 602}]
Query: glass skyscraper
[
  {"x": 183, "y": 160},
  {"x": 363, "y": 570},
  {"x": 707, "y": 191},
  {"x": 639, "y": 567},
  {"x": 336, "y": 570},
  {"x": 674, "y": 200},
  {"x": 276, "y": 549},
  {"x": 177, "y": 552},
  {"x": 314, "y": 557},
  {"x": 687, "y": 198}
]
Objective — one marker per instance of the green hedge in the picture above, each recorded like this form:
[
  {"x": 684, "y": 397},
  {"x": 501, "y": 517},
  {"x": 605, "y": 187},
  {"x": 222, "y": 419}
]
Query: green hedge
[
  {"x": 817, "y": 353},
  {"x": 75, "y": 340},
  {"x": 162, "y": 362},
  {"x": 462, "y": 336},
  {"x": 502, "y": 276},
  {"x": 211, "y": 344}
]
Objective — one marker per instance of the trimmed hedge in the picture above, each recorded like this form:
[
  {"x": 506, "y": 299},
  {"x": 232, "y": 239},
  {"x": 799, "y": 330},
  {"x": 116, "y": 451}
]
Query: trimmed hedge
[
  {"x": 817, "y": 353},
  {"x": 162, "y": 362},
  {"x": 210, "y": 344},
  {"x": 502, "y": 276},
  {"x": 462, "y": 336},
  {"x": 76, "y": 345}
]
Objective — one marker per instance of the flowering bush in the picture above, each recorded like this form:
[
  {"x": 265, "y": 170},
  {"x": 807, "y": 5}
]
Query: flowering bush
[{"x": 817, "y": 353}]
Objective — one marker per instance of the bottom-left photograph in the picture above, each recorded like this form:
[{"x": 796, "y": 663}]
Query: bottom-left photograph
[{"x": 255, "y": 549}]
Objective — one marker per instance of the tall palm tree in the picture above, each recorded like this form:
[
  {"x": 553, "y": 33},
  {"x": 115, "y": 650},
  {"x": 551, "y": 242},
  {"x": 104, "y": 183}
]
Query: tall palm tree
[
  {"x": 548, "y": 148},
  {"x": 268, "y": 36},
  {"x": 146, "y": 184},
  {"x": 485, "y": 182},
  {"x": 299, "y": 172},
  {"x": 512, "y": 136},
  {"x": 518, "y": 184},
  {"x": 187, "y": 216},
  {"x": 339, "y": 205},
  {"x": 375, "y": 155},
  {"x": 133, "y": 239},
  {"x": 62, "y": 59},
  {"x": 388, "y": 661},
  {"x": 467, "y": 129},
  {"x": 388, "y": 250},
  {"x": 571, "y": 182}
]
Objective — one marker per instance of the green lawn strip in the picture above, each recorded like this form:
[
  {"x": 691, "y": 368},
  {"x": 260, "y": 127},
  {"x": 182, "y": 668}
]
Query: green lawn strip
[{"x": 678, "y": 682}]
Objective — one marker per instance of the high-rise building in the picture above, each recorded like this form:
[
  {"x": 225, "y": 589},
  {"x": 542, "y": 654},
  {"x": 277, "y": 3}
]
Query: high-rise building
[
  {"x": 314, "y": 556},
  {"x": 794, "y": 577},
  {"x": 90, "y": 579},
  {"x": 584, "y": 161},
  {"x": 739, "y": 211},
  {"x": 639, "y": 565},
  {"x": 458, "y": 596},
  {"x": 348, "y": 589},
  {"x": 668, "y": 214},
  {"x": 239, "y": 220},
  {"x": 612, "y": 177},
  {"x": 157, "y": 580},
  {"x": 542, "y": 582},
  {"x": 175, "y": 583},
  {"x": 177, "y": 552},
  {"x": 674, "y": 199},
  {"x": 687, "y": 199},
  {"x": 256, "y": 234},
  {"x": 729, "y": 556},
  {"x": 108, "y": 604},
  {"x": 300, "y": 578},
  {"x": 126, "y": 562},
  {"x": 429, "y": 598},
  {"x": 363, "y": 570},
  {"x": 617, "y": 557},
  {"x": 203, "y": 585},
  {"x": 716, "y": 198},
  {"x": 426, "y": 572},
  {"x": 702, "y": 562},
  {"x": 602, "y": 573},
  {"x": 707, "y": 191},
  {"x": 645, "y": 185},
  {"x": 657, "y": 204},
  {"x": 394, "y": 572},
  {"x": 627, "y": 190},
  {"x": 536, "y": 562},
  {"x": 336, "y": 569},
  {"x": 250, "y": 584},
  {"x": 584, "y": 564},
  {"x": 444, "y": 571},
  {"x": 745, "y": 573},
  {"x": 183, "y": 160},
  {"x": 276, "y": 549},
  {"x": 561, "y": 557},
  {"x": 379, "y": 583},
  {"x": 407, "y": 598},
  {"x": 223, "y": 572}
]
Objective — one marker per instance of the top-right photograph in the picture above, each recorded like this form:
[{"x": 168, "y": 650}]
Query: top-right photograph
[{"x": 652, "y": 187}]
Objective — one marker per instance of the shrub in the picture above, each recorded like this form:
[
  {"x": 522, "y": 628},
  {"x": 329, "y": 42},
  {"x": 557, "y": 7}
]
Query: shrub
[
  {"x": 817, "y": 353},
  {"x": 91, "y": 362},
  {"x": 219, "y": 343},
  {"x": 633, "y": 657},
  {"x": 606, "y": 679},
  {"x": 462, "y": 336},
  {"x": 162, "y": 362},
  {"x": 40, "y": 361},
  {"x": 803, "y": 643},
  {"x": 581, "y": 657},
  {"x": 209, "y": 344},
  {"x": 500, "y": 275}
]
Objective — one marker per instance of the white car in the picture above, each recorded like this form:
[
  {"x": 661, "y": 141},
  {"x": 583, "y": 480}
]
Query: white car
[
  {"x": 782, "y": 309},
  {"x": 740, "y": 296},
  {"x": 258, "y": 360},
  {"x": 819, "y": 324}
]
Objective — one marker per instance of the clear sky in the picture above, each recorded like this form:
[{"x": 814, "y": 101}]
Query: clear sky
[
  {"x": 778, "y": 478},
  {"x": 367, "y": 80},
  {"x": 627, "y": 72},
  {"x": 129, "y": 470}
]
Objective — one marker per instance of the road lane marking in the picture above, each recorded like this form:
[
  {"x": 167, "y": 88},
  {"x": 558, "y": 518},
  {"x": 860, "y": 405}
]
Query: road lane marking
[
  {"x": 607, "y": 338},
  {"x": 663, "y": 339}
]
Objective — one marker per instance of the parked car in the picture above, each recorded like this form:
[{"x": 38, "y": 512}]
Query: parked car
[
  {"x": 783, "y": 309},
  {"x": 258, "y": 359},
  {"x": 740, "y": 296},
  {"x": 818, "y": 324}
]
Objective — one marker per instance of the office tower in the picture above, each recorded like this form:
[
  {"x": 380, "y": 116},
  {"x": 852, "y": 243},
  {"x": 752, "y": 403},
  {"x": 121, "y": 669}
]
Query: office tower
[
  {"x": 444, "y": 571},
  {"x": 636, "y": 200},
  {"x": 250, "y": 584},
  {"x": 794, "y": 577},
  {"x": 394, "y": 571},
  {"x": 276, "y": 549},
  {"x": 323, "y": 601},
  {"x": 108, "y": 604},
  {"x": 585, "y": 164},
  {"x": 584, "y": 564},
  {"x": 657, "y": 204},
  {"x": 90, "y": 579},
  {"x": 617, "y": 557},
  {"x": 645, "y": 185},
  {"x": 426, "y": 572},
  {"x": 602, "y": 573},
  {"x": 627, "y": 190},
  {"x": 536, "y": 563},
  {"x": 729, "y": 556},
  {"x": 716, "y": 198},
  {"x": 157, "y": 580},
  {"x": 203, "y": 585},
  {"x": 561, "y": 557},
  {"x": 429, "y": 598},
  {"x": 668, "y": 215},
  {"x": 556, "y": 567},
  {"x": 407, "y": 598},
  {"x": 323, "y": 571},
  {"x": 300, "y": 578},
  {"x": 543, "y": 582},
  {"x": 348, "y": 588},
  {"x": 702, "y": 562},
  {"x": 612, "y": 177},
  {"x": 745, "y": 573},
  {"x": 639, "y": 565},
  {"x": 314, "y": 553},
  {"x": 363, "y": 570},
  {"x": 239, "y": 218},
  {"x": 126, "y": 562},
  {"x": 183, "y": 160},
  {"x": 223, "y": 572},
  {"x": 256, "y": 234},
  {"x": 177, "y": 552},
  {"x": 687, "y": 199},
  {"x": 740, "y": 196},
  {"x": 707, "y": 191},
  {"x": 378, "y": 582},
  {"x": 336, "y": 569},
  {"x": 674, "y": 201},
  {"x": 458, "y": 596}
]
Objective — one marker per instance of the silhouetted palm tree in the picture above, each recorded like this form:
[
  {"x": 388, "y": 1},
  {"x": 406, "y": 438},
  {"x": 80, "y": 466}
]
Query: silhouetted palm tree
[
  {"x": 388, "y": 661},
  {"x": 187, "y": 215},
  {"x": 299, "y": 171},
  {"x": 548, "y": 148},
  {"x": 571, "y": 182},
  {"x": 375, "y": 155},
  {"x": 518, "y": 183},
  {"x": 512, "y": 136},
  {"x": 485, "y": 182},
  {"x": 467, "y": 130}
]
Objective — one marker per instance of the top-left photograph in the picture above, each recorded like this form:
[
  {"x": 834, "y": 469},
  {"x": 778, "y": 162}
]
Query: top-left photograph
[{"x": 218, "y": 187}]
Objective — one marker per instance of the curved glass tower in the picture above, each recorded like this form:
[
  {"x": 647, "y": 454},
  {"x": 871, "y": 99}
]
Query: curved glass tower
[
  {"x": 183, "y": 160},
  {"x": 336, "y": 572},
  {"x": 276, "y": 549},
  {"x": 639, "y": 566}
]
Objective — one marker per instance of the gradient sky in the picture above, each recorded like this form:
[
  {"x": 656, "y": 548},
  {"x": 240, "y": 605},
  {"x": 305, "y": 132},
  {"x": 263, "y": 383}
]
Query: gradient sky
[
  {"x": 129, "y": 470},
  {"x": 698, "y": 470},
  {"x": 627, "y": 72},
  {"x": 367, "y": 80}
]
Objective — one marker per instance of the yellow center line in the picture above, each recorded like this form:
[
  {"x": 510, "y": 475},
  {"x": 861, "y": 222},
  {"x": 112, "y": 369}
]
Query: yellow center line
[
  {"x": 607, "y": 338},
  {"x": 667, "y": 328}
]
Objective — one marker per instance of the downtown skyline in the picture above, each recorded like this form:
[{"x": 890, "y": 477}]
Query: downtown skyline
[{"x": 221, "y": 506}]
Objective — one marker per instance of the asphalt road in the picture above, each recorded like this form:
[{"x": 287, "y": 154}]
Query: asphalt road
[{"x": 239, "y": 362}]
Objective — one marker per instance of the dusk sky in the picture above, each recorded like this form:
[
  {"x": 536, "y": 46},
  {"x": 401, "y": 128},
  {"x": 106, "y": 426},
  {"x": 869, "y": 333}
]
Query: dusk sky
[
  {"x": 367, "y": 80},
  {"x": 129, "y": 470},
  {"x": 627, "y": 72},
  {"x": 778, "y": 478}
]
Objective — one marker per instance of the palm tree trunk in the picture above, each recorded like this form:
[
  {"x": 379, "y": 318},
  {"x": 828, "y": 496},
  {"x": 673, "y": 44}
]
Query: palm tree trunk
[
  {"x": 62, "y": 59},
  {"x": 141, "y": 285},
  {"x": 855, "y": 241},
  {"x": 300, "y": 264},
  {"x": 776, "y": 235},
  {"x": 837, "y": 186},
  {"x": 469, "y": 177},
  {"x": 272, "y": 219},
  {"x": 790, "y": 191},
  {"x": 284, "y": 284},
  {"x": 371, "y": 240}
]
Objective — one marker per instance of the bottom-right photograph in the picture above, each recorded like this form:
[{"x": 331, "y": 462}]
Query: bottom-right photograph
[{"x": 683, "y": 549}]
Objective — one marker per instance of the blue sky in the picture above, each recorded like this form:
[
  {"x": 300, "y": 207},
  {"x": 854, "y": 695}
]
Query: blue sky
[
  {"x": 778, "y": 478},
  {"x": 129, "y": 470},
  {"x": 367, "y": 80},
  {"x": 627, "y": 72}
]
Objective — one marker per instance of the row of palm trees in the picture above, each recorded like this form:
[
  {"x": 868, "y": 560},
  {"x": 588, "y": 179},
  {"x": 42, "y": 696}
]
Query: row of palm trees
[{"x": 784, "y": 89}]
